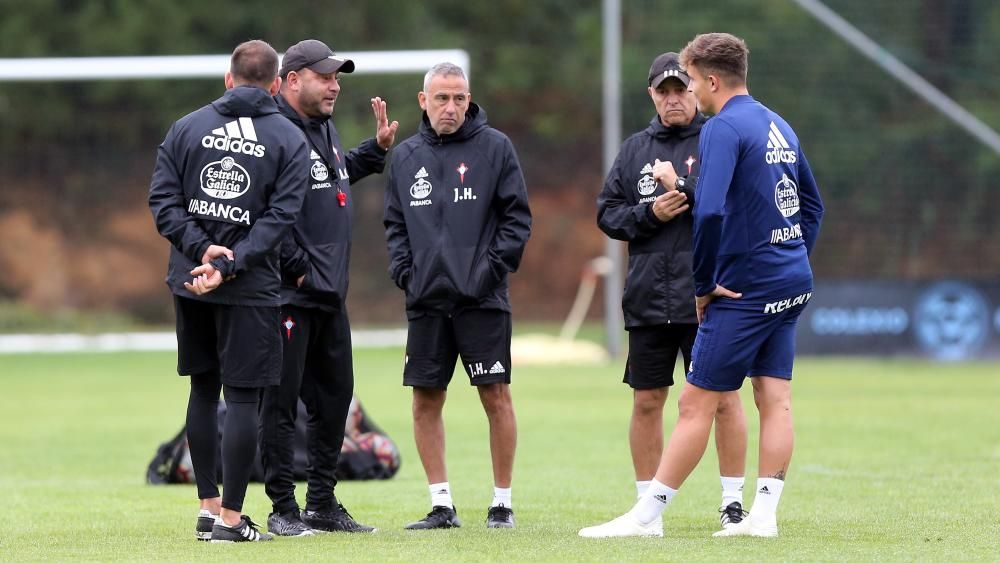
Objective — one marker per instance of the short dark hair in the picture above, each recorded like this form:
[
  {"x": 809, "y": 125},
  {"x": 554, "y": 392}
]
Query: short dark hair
[
  {"x": 721, "y": 54},
  {"x": 254, "y": 63}
]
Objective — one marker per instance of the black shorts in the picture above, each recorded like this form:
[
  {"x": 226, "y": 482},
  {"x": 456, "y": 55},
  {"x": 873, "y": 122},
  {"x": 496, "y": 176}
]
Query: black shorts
[
  {"x": 652, "y": 354},
  {"x": 433, "y": 344},
  {"x": 243, "y": 343}
]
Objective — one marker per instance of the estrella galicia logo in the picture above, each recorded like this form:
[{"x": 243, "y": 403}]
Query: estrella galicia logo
[
  {"x": 786, "y": 196},
  {"x": 225, "y": 179},
  {"x": 952, "y": 321},
  {"x": 319, "y": 171}
]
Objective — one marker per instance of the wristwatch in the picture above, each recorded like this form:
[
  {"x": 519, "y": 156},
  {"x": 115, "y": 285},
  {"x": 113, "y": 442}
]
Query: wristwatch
[{"x": 679, "y": 183}]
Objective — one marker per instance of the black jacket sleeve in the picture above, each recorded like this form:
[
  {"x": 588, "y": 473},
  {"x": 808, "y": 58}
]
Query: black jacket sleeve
[
  {"x": 396, "y": 236},
  {"x": 367, "y": 158},
  {"x": 166, "y": 201},
  {"x": 283, "y": 208},
  {"x": 618, "y": 218},
  {"x": 689, "y": 190},
  {"x": 511, "y": 205}
]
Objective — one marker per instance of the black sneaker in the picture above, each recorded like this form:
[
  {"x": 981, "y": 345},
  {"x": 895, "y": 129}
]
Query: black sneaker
[
  {"x": 731, "y": 514},
  {"x": 438, "y": 517},
  {"x": 336, "y": 520},
  {"x": 288, "y": 524},
  {"x": 246, "y": 530},
  {"x": 499, "y": 517},
  {"x": 203, "y": 529}
]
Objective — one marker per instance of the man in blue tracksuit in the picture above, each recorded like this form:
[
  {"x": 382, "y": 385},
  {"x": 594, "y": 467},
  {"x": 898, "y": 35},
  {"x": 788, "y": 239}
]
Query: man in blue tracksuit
[
  {"x": 457, "y": 221},
  {"x": 757, "y": 218},
  {"x": 226, "y": 188},
  {"x": 317, "y": 364},
  {"x": 646, "y": 202}
]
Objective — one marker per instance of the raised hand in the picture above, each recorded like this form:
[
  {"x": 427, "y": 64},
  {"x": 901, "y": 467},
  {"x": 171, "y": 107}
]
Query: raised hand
[{"x": 385, "y": 132}]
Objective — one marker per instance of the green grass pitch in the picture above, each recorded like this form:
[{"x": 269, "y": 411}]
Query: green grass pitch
[{"x": 894, "y": 459}]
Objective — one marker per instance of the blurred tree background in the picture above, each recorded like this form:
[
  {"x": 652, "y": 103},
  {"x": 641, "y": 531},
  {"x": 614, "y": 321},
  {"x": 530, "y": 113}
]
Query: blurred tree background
[{"x": 909, "y": 194}]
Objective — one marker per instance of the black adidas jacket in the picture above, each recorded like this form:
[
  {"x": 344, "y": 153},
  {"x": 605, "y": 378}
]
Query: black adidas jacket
[
  {"x": 659, "y": 288},
  {"x": 456, "y": 217},
  {"x": 230, "y": 173},
  {"x": 319, "y": 245}
]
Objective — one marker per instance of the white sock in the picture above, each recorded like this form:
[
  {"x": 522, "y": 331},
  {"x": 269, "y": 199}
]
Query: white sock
[
  {"x": 441, "y": 495},
  {"x": 765, "y": 504},
  {"x": 501, "y": 496},
  {"x": 732, "y": 490},
  {"x": 653, "y": 502},
  {"x": 640, "y": 488}
]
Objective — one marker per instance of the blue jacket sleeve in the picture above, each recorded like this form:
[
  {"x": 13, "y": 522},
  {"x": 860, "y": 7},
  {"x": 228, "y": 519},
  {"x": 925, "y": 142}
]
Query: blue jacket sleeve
[
  {"x": 166, "y": 202},
  {"x": 616, "y": 216},
  {"x": 720, "y": 148},
  {"x": 811, "y": 204},
  {"x": 270, "y": 229},
  {"x": 510, "y": 203}
]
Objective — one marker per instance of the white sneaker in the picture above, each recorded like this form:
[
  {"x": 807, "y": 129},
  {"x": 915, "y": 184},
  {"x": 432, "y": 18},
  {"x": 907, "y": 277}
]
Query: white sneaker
[
  {"x": 624, "y": 526},
  {"x": 750, "y": 526}
]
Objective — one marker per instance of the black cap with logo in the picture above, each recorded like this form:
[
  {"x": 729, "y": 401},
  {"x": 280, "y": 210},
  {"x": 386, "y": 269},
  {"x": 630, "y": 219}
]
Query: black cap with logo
[
  {"x": 667, "y": 65},
  {"x": 314, "y": 55}
]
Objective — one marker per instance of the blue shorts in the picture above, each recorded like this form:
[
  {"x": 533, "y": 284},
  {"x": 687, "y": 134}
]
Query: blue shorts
[{"x": 740, "y": 338}]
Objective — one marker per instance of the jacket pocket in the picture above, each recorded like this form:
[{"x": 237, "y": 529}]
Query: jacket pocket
[{"x": 428, "y": 283}]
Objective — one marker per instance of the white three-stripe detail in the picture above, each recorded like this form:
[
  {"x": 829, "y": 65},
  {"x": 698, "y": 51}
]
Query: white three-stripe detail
[
  {"x": 240, "y": 129},
  {"x": 772, "y": 142},
  {"x": 776, "y": 134},
  {"x": 249, "y": 133},
  {"x": 232, "y": 130}
]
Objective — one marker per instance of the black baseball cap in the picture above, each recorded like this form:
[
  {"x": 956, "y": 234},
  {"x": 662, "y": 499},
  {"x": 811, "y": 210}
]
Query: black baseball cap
[
  {"x": 667, "y": 65},
  {"x": 314, "y": 55}
]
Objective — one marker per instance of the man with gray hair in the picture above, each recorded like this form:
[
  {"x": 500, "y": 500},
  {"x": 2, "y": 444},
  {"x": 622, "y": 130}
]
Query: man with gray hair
[{"x": 457, "y": 221}]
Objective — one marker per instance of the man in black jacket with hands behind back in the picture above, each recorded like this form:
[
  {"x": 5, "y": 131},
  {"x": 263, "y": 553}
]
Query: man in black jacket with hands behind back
[{"x": 226, "y": 188}]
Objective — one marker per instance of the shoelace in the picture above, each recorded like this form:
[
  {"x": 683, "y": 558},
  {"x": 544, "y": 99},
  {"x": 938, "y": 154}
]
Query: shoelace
[
  {"x": 349, "y": 520},
  {"x": 500, "y": 510},
  {"x": 251, "y": 529},
  {"x": 438, "y": 511},
  {"x": 733, "y": 514}
]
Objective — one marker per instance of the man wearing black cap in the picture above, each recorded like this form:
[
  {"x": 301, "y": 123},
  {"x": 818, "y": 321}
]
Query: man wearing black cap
[
  {"x": 457, "y": 221},
  {"x": 646, "y": 202},
  {"x": 225, "y": 190},
  {"x": 317, "y": 363}
]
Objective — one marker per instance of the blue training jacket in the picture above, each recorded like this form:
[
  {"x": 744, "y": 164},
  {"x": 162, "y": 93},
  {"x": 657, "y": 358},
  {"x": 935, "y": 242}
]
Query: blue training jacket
[{"x": 758, "y": 209}]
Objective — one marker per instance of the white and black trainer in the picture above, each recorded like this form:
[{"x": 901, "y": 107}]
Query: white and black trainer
[
  {"x": 203, "y": 529},
  {"x": 246, "y": 530}
]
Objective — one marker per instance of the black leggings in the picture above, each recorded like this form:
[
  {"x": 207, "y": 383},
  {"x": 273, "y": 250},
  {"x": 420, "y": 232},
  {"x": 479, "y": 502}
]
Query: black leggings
[{"x": 239, "y": 438}]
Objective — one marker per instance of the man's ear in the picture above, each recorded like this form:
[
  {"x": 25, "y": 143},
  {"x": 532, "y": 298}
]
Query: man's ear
[
  {"x": 229, "y": 81},
  {"x": 422, "y": 100},
  {"x": 275, "y": 86}
]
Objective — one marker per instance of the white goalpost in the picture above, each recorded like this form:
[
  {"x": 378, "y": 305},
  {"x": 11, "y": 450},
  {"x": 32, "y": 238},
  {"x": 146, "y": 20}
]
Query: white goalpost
[{"x": 50, "y": 69}]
